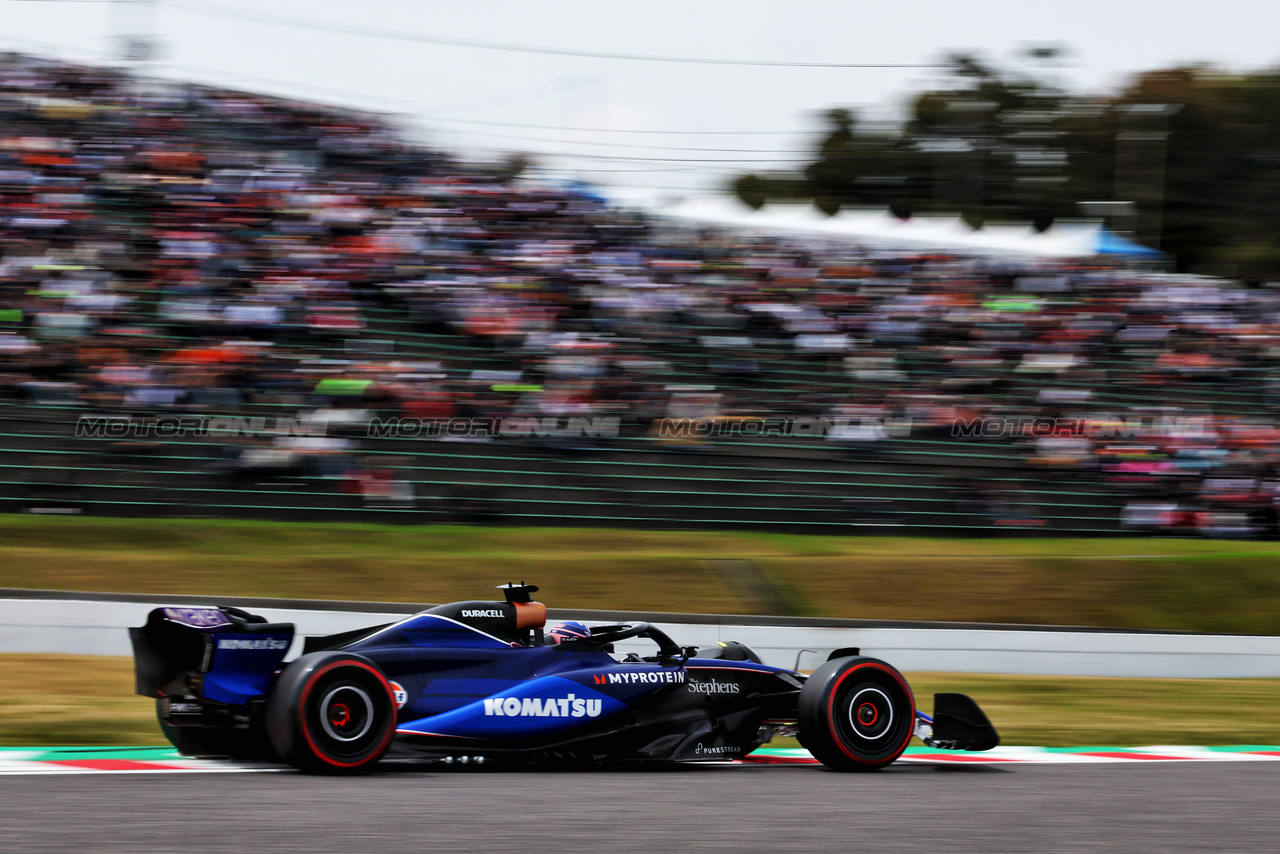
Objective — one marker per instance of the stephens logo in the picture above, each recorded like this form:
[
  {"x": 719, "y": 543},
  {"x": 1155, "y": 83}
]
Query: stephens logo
[
  {"x": 537, "y": 707},
  {"x": 711, "y": 686},
  {"x": 255, "y": 643},
  {"x": 481, "y": 613},
  {"x": 652, "y": 677}
]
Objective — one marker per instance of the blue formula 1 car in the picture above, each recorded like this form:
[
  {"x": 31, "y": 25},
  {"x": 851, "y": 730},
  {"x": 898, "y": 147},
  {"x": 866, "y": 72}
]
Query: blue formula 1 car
[{"x": 480, "y": 681}]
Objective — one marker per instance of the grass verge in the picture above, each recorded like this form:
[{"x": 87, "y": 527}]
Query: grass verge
[
  {"x": 52, "y": 700},
  {"x": 1196, "y": 585}
]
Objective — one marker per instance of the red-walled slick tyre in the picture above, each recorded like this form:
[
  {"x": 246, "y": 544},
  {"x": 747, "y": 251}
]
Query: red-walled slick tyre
[
  {"x": 331, "y": 713},
  {"x": 856, "y": 714}
]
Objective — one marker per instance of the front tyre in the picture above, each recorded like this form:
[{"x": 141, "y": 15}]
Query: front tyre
[
  {"x": 331, "y": 713},
  {"x": 856, "y": 714}
]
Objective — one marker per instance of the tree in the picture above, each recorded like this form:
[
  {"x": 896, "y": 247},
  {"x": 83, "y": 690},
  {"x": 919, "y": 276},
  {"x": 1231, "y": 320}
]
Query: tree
[{"x": 1197, "y": 151}]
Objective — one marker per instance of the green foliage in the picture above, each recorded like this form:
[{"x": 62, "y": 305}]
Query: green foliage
[
  {"x": 1197, "y": 150},
  {"x": 752, "y": 189},
  {"x": 513, "y": 166},
  {"x": 1195, "y": 585}
]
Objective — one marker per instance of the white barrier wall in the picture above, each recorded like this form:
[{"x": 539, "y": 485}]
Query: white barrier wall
[
  {"x": 98, "y": 628},
  {"x": 80, "y": 627},
  {"x": 1064, "y": 653}
]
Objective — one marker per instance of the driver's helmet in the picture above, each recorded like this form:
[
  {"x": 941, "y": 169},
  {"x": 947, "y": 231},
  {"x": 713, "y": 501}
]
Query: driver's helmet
[{"x": 568, "y": 631}]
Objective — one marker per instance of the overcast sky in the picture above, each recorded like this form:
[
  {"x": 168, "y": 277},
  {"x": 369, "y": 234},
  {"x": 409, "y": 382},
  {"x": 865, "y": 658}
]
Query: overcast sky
[{"x": 468, "y": 98}]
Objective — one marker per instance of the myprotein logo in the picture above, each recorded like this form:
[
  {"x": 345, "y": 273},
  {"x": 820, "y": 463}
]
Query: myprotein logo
[
  {"x": 571, "y": 706},
  {"x": 652, "y": 677},
  {"x": 711, "y": 686},
  {"x": 481, "y": 613}
]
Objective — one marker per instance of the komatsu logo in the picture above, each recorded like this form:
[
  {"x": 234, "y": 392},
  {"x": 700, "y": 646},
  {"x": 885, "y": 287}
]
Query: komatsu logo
[
  {"x": 479, "y": 613},
  {"x": 538, "y": 707},
  {"x": 713, "y": 687},
  {"x": 255, "y": 643},
  {"x": 653, "y": 677}
]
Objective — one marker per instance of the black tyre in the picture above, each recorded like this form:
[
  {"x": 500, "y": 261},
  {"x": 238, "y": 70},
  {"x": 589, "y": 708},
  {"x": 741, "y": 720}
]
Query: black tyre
[
  {"x": 856, "y": 714},
  {"x": 331, "y": 713}
]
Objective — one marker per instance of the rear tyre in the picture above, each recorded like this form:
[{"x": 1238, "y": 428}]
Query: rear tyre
[
  {"x": 331, "y": 713},
  {"x": 856, "y": 714}
]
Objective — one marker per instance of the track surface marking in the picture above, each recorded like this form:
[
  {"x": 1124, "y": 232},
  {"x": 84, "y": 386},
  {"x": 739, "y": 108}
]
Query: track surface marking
[
  {"x": 123, "y": 760},
  {"x": 1116, "y": 807}
]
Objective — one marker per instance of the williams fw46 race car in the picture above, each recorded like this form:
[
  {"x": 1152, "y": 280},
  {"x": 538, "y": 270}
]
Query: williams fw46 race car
[{"x": 481, "y": 682}]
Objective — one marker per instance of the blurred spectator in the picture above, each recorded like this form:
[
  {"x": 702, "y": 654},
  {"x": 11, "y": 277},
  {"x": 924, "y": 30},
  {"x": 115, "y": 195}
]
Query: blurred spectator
[{"x": 200, "y": 249}]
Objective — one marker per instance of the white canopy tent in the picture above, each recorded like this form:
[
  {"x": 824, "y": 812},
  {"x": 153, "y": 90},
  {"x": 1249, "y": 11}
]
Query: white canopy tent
[{"x": 881, "y": 229}]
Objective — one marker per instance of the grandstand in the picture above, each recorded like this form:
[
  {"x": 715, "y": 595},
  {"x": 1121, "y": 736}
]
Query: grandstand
[{"x": 205, "y": 254}]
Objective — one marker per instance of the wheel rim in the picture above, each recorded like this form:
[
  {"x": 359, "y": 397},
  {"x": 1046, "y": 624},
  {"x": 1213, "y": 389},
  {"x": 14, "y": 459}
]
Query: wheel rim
[
  {"x": 870, "y": 718},
  {"x": 346, "y": 713},
  {"x": 870, "y": 713}
]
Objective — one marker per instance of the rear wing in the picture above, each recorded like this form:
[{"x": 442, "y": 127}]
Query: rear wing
[{"x": 221, "y": 654}]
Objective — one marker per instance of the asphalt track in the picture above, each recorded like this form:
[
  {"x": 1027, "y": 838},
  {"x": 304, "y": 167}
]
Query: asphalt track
[{"x": 1157, "y": 807}]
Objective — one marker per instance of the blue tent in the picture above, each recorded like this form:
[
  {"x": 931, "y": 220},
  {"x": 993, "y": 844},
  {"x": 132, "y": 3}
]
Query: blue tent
[
  {"x": 583, "y": 190},
  {"x": 1110, "y": 243}
]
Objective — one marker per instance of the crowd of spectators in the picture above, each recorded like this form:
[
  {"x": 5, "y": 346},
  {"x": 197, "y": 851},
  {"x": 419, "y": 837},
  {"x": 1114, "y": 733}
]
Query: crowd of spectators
[{"x": 186, "y": 248}]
